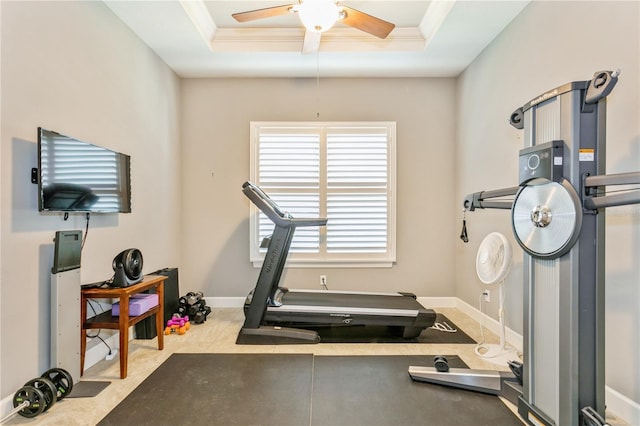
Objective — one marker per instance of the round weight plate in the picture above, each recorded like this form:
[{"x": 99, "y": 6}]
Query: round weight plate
[
  {"x": 62, "y": 381},
  {"x": 36, "y": 401},
  {"x": 47, "y": 387},
  {"x": 546, "y": 218}
]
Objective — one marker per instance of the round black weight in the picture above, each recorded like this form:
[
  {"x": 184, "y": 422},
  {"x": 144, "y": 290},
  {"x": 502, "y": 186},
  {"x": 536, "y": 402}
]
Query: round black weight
[
  {"x": 48, "y": 389},
  {"x": 441, "y": 364},
  {"x": 34, "y": 397},
  {"x": 61, "y": 379}
]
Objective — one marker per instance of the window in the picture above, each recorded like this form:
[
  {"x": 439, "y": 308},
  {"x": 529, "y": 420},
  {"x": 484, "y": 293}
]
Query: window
[{"x": 342, "y": 171}]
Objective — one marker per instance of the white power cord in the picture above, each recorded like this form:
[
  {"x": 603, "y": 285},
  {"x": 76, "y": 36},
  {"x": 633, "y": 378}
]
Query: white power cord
[
  {"x": 481, "y": 323},
  {"x": 492, "y": 350},
  {"x": 443, "y": 326}
]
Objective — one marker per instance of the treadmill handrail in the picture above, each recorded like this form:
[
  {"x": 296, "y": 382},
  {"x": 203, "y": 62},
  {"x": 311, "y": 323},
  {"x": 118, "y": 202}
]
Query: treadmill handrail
[{"x": 278, "y": 216}]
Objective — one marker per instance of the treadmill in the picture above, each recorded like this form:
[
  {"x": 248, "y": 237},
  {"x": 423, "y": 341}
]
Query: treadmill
[{"x": 277, "y": 315}]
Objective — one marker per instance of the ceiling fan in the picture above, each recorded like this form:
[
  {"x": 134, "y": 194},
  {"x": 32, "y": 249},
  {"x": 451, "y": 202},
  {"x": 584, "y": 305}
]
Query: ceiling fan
[{"x": 318, "y": 16}]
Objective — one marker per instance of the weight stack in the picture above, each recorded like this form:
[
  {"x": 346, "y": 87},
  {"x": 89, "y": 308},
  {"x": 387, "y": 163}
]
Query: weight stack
[{"x": 146, "y": 329}]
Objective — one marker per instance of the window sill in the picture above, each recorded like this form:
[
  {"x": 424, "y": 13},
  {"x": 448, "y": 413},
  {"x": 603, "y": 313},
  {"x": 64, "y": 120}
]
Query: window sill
[{"x": 334, "y": 264}]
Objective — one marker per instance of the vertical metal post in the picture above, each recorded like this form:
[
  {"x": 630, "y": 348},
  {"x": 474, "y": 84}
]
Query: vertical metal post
[{"x": 564, "y": 297}]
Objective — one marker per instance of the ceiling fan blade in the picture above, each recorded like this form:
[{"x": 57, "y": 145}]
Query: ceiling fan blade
[
  {"x": 311, "y": 41},
  {"x": 268, "y": 12},
  {"x": 367, "y": 23}
]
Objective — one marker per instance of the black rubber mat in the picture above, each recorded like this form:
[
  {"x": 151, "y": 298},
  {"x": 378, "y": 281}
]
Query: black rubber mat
[
  {"x": 444, "y": 331},
  {"x": 221, "y": 389},
  {"x": 300, "y": 389},
  {"x": 87, "y": 389},
  {"x": 377, "y": 391}
]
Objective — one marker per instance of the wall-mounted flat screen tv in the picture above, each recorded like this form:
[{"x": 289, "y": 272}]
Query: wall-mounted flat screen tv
[{"x": 76, "y": 176}]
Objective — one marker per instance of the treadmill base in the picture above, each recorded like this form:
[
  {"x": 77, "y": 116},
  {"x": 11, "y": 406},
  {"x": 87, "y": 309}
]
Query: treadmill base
[{"x": 275, "y": 335}]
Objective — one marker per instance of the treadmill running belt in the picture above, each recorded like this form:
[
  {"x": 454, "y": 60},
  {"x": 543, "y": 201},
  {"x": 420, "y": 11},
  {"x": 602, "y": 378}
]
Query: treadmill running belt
[{"x": 355, "y": 300}]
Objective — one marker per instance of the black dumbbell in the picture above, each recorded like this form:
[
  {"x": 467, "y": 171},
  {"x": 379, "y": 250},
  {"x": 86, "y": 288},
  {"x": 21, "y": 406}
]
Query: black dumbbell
[
  {"x": 196, "y": 307},
  {"x": 191, "y": 298}
]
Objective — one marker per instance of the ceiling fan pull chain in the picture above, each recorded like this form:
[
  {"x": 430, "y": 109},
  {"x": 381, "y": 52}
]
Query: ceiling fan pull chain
[
  {"x": 463, "y": 234},
  {"x": 318, "y": 84}
]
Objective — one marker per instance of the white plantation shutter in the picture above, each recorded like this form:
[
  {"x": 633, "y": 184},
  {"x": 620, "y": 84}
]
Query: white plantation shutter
[
  {"x": 342, "y": 171},
  {"x": 357, "y": 190},
  {"x": 289, "y": 157}
]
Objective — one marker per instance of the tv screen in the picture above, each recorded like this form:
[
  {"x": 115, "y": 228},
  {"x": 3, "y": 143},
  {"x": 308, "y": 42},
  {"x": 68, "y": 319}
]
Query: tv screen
[{"x": 78, "y": 176}]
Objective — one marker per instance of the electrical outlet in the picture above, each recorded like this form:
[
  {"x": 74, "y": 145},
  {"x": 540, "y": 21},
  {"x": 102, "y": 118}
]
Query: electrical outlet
[
  {"x": 323, "y": 281},
  {"x": 487, "y": 295}
]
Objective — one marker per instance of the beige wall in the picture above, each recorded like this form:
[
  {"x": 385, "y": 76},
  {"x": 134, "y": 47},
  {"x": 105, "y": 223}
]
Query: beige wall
[
  {"x": 75, "y": 68},
  {"x": 549, "y": 44},
  {"x": 215, "y": 159}
]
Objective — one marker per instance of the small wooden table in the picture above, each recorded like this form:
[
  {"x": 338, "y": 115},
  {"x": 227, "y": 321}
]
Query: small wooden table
[{"x": 123, "y": 321}]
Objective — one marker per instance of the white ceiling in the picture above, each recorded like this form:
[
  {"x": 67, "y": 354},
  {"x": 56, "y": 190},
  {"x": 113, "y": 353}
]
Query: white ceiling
[{"x": 199, "y": 38}]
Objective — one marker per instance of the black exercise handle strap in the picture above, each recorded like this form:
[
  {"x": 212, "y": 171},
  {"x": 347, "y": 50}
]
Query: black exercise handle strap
[{"x": 463, "y": 234}]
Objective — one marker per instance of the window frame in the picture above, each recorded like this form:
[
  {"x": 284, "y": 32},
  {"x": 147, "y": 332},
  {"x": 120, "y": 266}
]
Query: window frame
[{"x": 323, "y": 258}]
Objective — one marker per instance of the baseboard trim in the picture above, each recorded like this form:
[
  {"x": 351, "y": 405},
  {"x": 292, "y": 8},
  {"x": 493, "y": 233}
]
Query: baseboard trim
[
  {"x": 97, "y": 351},
  {"x": 438, "y": 302},
  {"x": 225, "y": 302},
  {"x": 512, "y": 337},
  {"x": 621, "y": 406}
]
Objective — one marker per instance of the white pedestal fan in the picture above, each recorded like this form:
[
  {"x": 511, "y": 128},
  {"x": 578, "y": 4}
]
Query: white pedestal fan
[{"x": 493, "y": 262}]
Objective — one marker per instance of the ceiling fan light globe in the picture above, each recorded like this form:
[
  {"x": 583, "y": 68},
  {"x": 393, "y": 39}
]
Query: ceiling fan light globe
[{"x": 318, "y": 15}]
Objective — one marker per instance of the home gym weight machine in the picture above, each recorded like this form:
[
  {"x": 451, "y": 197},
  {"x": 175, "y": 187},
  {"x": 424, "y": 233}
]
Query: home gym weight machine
[{"x": 557, "y": 218}]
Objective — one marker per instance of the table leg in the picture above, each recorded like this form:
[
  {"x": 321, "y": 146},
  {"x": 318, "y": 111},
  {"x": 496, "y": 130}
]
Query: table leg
[
  {"x": 124, "y": 334},
  {"x": 83, "y": 336},
  {"x": 160, "y": 316}
]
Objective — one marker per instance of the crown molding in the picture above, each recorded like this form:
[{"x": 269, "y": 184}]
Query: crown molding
[{"x": 334, "y": 40}]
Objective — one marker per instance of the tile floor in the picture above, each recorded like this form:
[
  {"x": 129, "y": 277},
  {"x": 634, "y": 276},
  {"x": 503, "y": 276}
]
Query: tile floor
[{"x": 217, "y": 335}]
